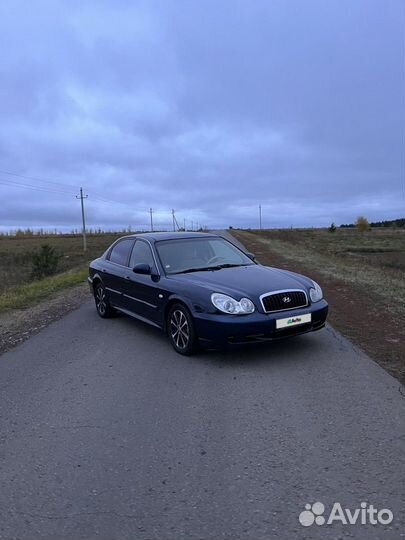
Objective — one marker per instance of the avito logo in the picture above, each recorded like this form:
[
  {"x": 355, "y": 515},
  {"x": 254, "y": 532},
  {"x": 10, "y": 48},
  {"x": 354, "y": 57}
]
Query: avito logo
[{"x": 366, "y": 514}]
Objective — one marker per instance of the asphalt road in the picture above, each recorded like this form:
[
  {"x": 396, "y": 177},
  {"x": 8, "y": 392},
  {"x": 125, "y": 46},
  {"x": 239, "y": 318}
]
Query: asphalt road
[{"x": 107, "y": 433}]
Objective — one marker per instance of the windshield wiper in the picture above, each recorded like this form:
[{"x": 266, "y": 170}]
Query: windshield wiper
[
  {"x": 231, "y": 265},
  {"x": 207, "y": 268},
  {"x": 201, "y": 269}
]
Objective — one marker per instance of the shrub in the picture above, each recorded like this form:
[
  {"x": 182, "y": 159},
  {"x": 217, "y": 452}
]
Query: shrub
[
  {"x": 362, "y": 224},
  {"x": 332, "y": 227},
  {"x": 45, "y": 262}
]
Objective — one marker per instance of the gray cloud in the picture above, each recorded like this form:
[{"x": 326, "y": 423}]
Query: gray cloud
[{"x": 209, "y": 108}]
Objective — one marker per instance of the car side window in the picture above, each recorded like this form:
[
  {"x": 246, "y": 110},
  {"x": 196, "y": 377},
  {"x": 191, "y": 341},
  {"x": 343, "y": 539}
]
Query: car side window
[
  {"x": 141, "y": 253},
  {"x": 120, "y": 252}
]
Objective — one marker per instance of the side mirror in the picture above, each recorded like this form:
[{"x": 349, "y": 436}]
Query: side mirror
[
  {"x": 250, "y": 255},
  {"x": 142, "y": 268}
]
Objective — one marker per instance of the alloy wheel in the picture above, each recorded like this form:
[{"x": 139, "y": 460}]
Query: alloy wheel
[
  {"x": 101, "y": 301},
  {"x": 179, "y": 329}
]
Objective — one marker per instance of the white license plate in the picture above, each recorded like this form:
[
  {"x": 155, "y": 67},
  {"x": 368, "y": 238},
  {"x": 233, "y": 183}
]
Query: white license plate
[{"x": 293, "y": 321}]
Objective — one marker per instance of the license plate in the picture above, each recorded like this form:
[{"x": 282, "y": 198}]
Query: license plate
[{"x": 293, "y": 321}]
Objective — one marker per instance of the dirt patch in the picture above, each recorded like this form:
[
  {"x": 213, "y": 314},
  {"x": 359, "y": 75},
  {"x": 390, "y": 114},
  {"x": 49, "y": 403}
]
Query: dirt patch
[
  {"x": 354, "y": 310},
  {"x": 20, "y": 324}
]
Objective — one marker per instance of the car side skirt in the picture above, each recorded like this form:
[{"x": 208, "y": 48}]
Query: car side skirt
[{"x": 139, "y": 317}]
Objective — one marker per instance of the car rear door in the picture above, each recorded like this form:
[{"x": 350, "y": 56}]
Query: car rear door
[
  {"x": 141, "y": 294},
  {"x": 116, "y": 270}
]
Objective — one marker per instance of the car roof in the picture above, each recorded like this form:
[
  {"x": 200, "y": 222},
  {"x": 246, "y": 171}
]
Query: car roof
[{"x": 157, "y": 236}]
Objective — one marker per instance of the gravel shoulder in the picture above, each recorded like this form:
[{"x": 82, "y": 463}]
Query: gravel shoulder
[{"x": 18, "y": 325}]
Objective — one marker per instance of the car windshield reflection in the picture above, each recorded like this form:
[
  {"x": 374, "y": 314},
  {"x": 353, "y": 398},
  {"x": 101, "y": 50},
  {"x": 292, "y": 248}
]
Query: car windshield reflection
[{"x": 198, "y": 255}]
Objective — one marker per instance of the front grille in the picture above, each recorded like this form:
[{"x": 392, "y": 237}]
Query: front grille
[{"x": 283, "y": 301}]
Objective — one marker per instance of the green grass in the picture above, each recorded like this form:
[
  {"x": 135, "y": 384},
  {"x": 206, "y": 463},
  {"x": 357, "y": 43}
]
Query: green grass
[{"x": 24, "y": 296}]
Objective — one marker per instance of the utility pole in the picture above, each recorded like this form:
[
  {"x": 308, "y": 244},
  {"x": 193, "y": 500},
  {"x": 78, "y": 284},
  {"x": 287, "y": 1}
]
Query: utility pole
[
  {"x": 151, "y": 219},
  {"x": 192, "y": 225},
  {"x": 260, "y": 216},
  {"x": 174, "y": 222},
  {"x": 82, "y": 197},
  {"x": 184, "y": 224}
]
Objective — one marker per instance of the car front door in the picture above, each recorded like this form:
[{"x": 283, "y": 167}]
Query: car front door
[{"x": 141, "y": 295}]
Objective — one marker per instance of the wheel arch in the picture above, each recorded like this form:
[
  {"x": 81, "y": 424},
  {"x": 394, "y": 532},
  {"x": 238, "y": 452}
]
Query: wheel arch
[
  {"x": 96, "y": 279},
  {"x": 171, "y": 302}
]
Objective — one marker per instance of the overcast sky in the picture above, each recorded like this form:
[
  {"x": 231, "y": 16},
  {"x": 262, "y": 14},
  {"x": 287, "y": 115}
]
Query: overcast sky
[{"x": 207, "y": 107}]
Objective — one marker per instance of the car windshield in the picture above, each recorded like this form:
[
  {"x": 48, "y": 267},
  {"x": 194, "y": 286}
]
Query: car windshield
[{"x": 199, "y": 254}]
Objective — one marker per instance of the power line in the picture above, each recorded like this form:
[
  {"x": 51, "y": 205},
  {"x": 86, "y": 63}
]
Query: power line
[
  {"x": 35, "y": 178},
  {"x": 25, "y": 185},
  {"x": 110, "y": 201},
  {"x": 95, "y": 194},
  {"x": 59, "y": 189},
  {"x": 5, "y": 182}
]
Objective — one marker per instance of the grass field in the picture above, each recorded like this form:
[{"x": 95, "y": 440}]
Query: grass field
[
  {"x": 17, "y": 289},
  {"x": 373, "y": 260},
  {"x": 15, "y": 254}
]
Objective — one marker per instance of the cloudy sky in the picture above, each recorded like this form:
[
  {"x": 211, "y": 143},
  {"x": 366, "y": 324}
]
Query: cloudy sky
[{"x": 208, "y": 107}]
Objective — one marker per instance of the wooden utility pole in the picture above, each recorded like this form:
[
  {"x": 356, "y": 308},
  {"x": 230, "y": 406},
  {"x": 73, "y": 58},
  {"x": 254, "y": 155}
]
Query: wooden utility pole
[
  {"x": 82, "y": 197},
  {"x": 151, "y": 219}
]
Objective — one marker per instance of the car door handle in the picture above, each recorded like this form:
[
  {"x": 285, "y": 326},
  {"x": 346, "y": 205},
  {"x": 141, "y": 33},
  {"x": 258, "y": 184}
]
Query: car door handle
[{"x": 127, "y": 277}]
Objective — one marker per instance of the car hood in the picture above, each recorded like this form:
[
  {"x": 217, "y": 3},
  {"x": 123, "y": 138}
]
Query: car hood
[{"x": 250, "y": 281}]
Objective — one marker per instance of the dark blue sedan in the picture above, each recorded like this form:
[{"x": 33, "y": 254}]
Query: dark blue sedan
[{"x": 201, "y": 289}]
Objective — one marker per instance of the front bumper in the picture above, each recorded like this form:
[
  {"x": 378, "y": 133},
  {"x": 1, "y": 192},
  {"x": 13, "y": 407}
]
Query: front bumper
[{"x": 215, "y": 329}]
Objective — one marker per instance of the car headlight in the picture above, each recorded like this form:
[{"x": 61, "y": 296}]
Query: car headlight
[
  {"x": 315, "y": 292},
  {"x": 227, "y": 304}
]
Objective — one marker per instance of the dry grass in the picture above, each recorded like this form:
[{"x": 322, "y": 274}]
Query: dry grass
[
  {"x": 18, "y": 290},
  {"x": 373, "y": 260},
  {"x": 15, "y": 255}
]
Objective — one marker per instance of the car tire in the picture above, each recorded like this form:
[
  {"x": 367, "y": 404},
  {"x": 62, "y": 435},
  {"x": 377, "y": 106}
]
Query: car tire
[
  {"x": 103, "y": 306},
  {"x": 180, "y": 329}
]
